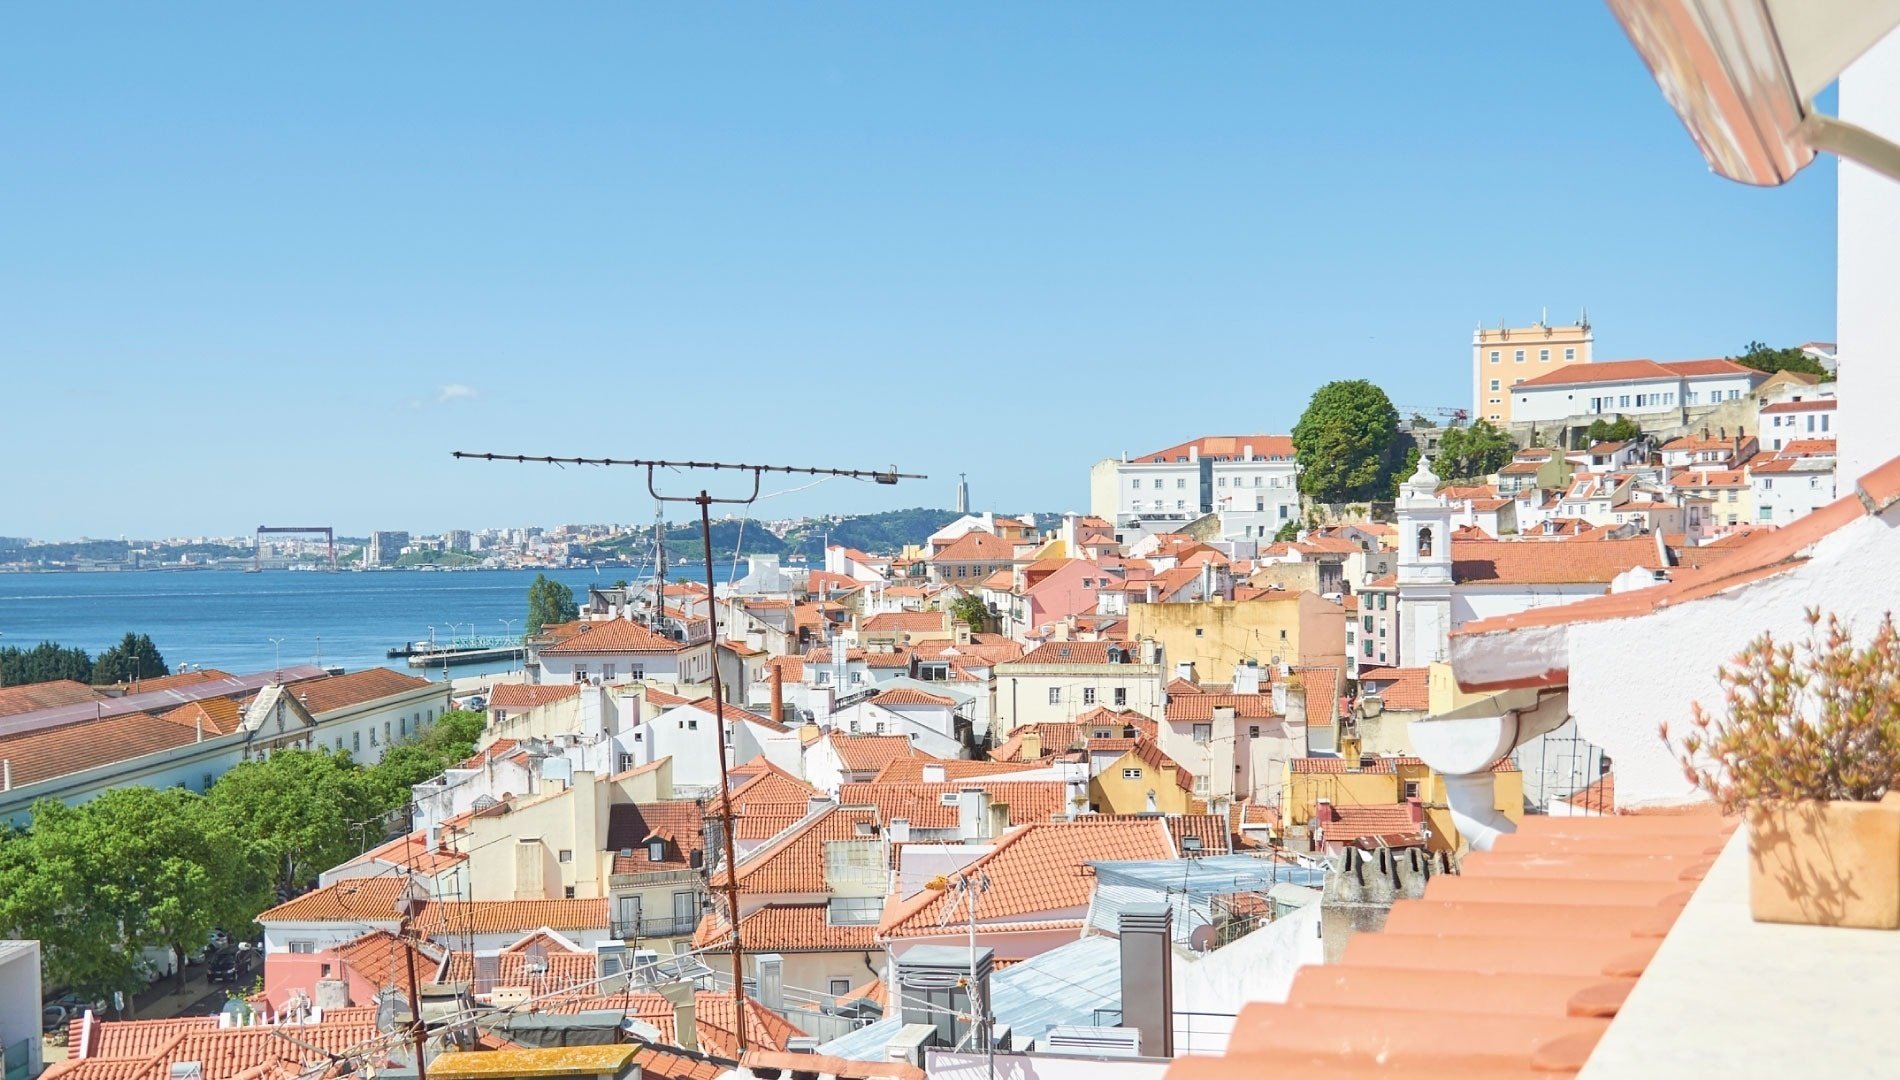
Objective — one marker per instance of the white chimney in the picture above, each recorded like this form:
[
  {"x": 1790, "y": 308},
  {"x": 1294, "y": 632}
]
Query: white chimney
[
  {"x": 1184, "y": 670},
  {"x": 1247, "y": 677},
  {"x": 973, "y": 814},
  {"x": 933, "y": 772}
]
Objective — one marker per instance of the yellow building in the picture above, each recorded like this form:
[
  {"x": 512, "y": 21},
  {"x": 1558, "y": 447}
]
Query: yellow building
[
  {"x": 1142, "y": 781},
  {"x": 1505, "y": 356},
  {"x": 1297, "y": 628},
  {"x": 1379, "y": 788}
]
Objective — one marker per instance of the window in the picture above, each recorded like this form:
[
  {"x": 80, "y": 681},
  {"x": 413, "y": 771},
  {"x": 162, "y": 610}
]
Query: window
[
  {"x": 838, "y": 987},
  {"x": 1055, "y": 695},
  {"x": 1382, "y": 601},
  {"x": 948, "y": 798},
  {"x": 1180, "y": 504},
  {"x": 1494, "y": 385},
  {"x": 1625, "y": 401},
  {"x": 1253, "y": 731},
  {"x": 1137, "y": 506},
  {"x": 402, "y": 723},
  {"x": 1088, "y": 695},
  {"x": 303, "y": 946},
  {"x": 607, "y": 672},
  {"x": 656, "y": 850},
  {"x": 1180, "y": 482},
  {"x": 824, "y": 677},
  {"x": 385, "y": 732},
  {"x": 566, "y": 855},
  {"x": 356, "y": 742},
  {"x": 568, "y": 893},
  {"x": 1368, "y": 647},
  {"x": 853, "y": 911},
  {"x": 1131, "y": 774},
  {"x": 1120, "y": 695},
  {"x": 1543, "y": 356},
  {"x": 1494, "y": 356},
  {"x": 1365, "y": 623},
  {"x": 580, "y": 672},
  {"x": 1284, "y": 511},
  {"x": 857, "y": 677},
  {"x": 1203, "y": 732},
  {"x": 1411, "y": 789},
  {"x": 1518, "y": 356},
  {"x": 1569, "y": 355},
  {"x": 1220, "y": 482}
]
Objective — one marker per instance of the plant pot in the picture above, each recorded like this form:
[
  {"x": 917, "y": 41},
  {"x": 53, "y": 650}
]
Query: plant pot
[{"x": 1826, "y": 863}]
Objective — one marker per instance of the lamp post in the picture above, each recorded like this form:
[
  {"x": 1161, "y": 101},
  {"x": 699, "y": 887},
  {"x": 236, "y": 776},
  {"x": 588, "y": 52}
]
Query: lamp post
[{"x": 279, "y": 643}]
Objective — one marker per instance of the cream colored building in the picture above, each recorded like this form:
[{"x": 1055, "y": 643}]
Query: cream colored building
[{"x": 1505, "y": 356}]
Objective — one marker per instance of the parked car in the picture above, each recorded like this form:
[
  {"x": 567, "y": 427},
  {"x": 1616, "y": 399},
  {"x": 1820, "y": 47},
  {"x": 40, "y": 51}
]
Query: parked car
[{"x": 224, "y": 966}]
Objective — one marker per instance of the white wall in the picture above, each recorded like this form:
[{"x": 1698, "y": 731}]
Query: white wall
[
  {"x": 1867, "y": 240},
  {"x": 1470, "y": 602}
]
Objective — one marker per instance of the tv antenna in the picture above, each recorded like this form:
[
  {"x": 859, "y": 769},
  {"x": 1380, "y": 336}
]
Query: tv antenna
[{"x": 705, "y": 501}]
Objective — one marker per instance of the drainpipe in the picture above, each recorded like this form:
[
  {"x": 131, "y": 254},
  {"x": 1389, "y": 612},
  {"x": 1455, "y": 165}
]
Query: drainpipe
[
  {"x": 1461, "y": 746},
  {"x": 1474, "y": 811}
]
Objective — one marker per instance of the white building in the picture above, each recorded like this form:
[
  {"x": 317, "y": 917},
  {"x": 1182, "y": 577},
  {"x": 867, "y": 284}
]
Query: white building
[
  {"x": 1635, "y": 388},
  {"x": 1788, "y": 487},
  {"x": 614, "y": 649},
  {"x": 1251, "y": 481},
  {"x": 1801, "y": 418}
]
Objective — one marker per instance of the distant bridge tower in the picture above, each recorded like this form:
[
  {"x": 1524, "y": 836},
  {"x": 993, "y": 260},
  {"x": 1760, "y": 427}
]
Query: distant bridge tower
[
  {"x": 963, "y": 494},
  {"x": 257, "y": 550}
]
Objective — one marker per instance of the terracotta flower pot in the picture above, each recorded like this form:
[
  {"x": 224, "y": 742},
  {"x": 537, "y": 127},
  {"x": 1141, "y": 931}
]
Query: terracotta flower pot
[{"x": 1826, "y": 863}]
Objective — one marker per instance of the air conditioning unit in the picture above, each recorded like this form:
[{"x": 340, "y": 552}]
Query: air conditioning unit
[{"x": 1093, "y": 1041}]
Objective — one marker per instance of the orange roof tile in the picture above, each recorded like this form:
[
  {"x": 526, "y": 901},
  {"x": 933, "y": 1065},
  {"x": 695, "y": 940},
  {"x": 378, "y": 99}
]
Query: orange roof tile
[
  {"x": 675, "y": 822},
  {"x": 613, "y": 636},
  {"x": 509, "y": 916},
  {"x": 905, "y": 695},
  {"x": 976, "y": 546},
  {"x": 530, "y": 695},
  {"x": 1633, "y": 371},
  {"x": 381, "y": 957},
  {"x": 911, "y": 770},
  {"x": 1401, "y": 689},
  {"x": 922, "y": 804},
  {"x": 556, "y": 969},
  {"x": 334, "y": 692},
  {"x": 1514, "y": 562},
  {"x": 33, "y": 697},
  {"x": 795, "y": 861},
  {"x": 786, "y": 928},
  {"x": 41, "y": 754},
  {"x": 1514, "y": 966},
  {"x": 1201, "y": 706},
  {"x": 1075, "y": 652},
  {"x": 914, "y": 621},
  {"x": 1038, "y": 872},
  {"x": 1222, "y": 446},
  {"x": 870, "y": 753}
]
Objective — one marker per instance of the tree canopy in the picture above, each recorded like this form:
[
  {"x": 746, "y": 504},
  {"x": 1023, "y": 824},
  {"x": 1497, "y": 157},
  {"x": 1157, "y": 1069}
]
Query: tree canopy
[
  {"x": 1762, "y": 358},
  {"x": 449, "y": 741},
  {"x": 1347, "y": 443},
  {"x": 1481, "y": 449},
  {"x": 308, "y": 809},
  {"x": 45, "y": 662},
  {"x": 969, "y": 610},
  {"x": 549, "y": 601},
  {"x": 136, "y": 868},
  {"x": 134, "y": 657},
  {"x": 1621, "y": 429}
]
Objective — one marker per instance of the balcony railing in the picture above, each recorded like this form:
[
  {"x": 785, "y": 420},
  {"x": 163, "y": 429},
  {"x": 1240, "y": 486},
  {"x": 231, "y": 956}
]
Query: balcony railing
[
  {"x": 656, "y": 927},
  {"x": 642, "y": 878}
]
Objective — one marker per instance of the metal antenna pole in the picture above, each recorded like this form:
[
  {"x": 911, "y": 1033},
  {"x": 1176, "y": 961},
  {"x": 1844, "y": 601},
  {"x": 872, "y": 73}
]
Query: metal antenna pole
[{"x": 704, "y": 500}]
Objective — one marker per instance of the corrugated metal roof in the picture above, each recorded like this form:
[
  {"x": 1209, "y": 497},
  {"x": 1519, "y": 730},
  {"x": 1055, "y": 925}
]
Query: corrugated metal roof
[
  {"x": 161, "y": 700},
  {"x": 1187, "y": 886}
]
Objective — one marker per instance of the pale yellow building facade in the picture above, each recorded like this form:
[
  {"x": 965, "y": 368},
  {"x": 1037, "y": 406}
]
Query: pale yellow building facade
[{"x": 1503, "y": 356}]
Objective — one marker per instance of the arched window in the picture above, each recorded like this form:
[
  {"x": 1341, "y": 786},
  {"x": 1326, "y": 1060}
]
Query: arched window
[{"x": 1424, "y": 542}]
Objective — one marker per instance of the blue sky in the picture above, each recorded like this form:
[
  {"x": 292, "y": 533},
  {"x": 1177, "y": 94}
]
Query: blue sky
[{"x": 260, "y": 264}]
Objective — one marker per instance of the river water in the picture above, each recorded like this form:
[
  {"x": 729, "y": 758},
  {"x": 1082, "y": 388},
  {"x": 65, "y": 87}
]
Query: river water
[{"x": 226, "y": 620}]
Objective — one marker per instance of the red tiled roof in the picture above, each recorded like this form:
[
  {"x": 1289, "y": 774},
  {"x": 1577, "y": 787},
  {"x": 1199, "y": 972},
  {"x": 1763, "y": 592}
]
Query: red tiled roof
[
  {"x": 922, "y": 804},
  {"x": 1392, "y": 824},
  {"x": 560, "y": 970},
  {"x": 1514, "y": 966},
  {"x": 510, "y": 916},
  {"x": 530, "y": 695},
  {"x": 1633, "y": 371},
  {"x": 1515, "y": 562},
  {"x": 869, "y": 753},
  {"x": 1401, "y": 689},
  {"x": 370, "y": 899},
  {"x": 675, "y": 822},
  {"x": 1201, "y": 706},
  {"x": 911, "y": 770},
  {"x": 1809, "y": 405},
  {"x": 381, "y": 957},
  {"x": 795, "y": 862},
  {"x": 977, "y": 546},
  {"x": 334, "y": 692},
  {"x": 1074, "y": 652},
  {"x": 918, "y": 621},
  {"x": 1038, "y": 872},
  {"x": 1056, "y": 736},
  {"x": 70, "y": 748},
  {"x": 412, "y": 851},
  {"x": 33, "y": 697},
  {"x": 786, "y": 928},
  {"x": 905, "y": 695},
  {"x": 613, "y": 636},
  {"x": 1222, "y": 446},
  {"x": 712, "y": 1017}
]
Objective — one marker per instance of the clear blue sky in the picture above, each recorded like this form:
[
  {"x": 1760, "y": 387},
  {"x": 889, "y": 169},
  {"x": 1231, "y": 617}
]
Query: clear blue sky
[{"x": 270, "y": 265}]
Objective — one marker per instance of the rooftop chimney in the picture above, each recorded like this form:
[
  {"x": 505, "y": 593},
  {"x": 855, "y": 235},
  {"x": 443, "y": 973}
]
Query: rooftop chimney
[
  {"x": 973, "y": 814},
  {"x": 685, "y": 1020},
  {"x": 933, "y": 772},
  {"x": 1147, "y": 948},
  {"x": 1247, "y": 677},
  {"x": 1185, "y": 670},
  {"x": 778, "y": 694},
  {"x": 771, "y": 980}
]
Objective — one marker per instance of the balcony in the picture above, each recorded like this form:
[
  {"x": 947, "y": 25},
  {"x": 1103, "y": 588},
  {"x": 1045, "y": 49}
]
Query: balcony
[
  {"x": 657, "y": 926},
  {"x": 647, "y": 878}
]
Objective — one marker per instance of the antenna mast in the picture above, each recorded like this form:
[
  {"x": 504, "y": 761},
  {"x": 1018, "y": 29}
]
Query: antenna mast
[{"x": 704, "y": 500}]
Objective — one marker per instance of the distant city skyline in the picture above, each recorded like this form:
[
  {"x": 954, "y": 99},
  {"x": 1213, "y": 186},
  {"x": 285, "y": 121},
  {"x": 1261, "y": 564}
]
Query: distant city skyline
[{"x": 273, "y": 265}]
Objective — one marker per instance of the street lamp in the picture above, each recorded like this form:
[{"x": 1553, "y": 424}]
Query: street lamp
[
  {"x": 279, "y": 643},
  {"x": 455, "y": 631}
]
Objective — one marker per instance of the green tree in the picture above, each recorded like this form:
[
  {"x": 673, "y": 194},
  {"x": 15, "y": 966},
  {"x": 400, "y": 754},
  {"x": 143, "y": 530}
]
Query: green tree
[
  {"x": 969, "y": 610},
  {"x": 1289, "y": 532},
  {"x": 1347, "y": 443},
  {"x": 549, "y": 601},
  {"x": 1470, "y": 452},
  {"x": 307, "y": 809},
  {"x": 450, "y": 740},
  {"x": 134, "y": 657},
  {"x": 44, "y": 662},
  {"x": 1762, "y": 358},
  {"x": 136, "y": 868},
  {"x": 1621, "y": 429}
]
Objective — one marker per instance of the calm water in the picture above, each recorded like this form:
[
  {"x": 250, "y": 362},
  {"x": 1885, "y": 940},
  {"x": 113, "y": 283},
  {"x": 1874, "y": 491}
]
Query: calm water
[{"x": 226, "y": 620}]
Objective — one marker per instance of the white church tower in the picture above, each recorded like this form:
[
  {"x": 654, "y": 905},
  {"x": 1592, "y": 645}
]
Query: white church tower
[{"x": 1424, "y": 576}]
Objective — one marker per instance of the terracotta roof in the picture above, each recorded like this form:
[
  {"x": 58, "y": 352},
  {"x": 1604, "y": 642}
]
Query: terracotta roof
[
  {"x": 911, "y": 770},
  {"x": 530, "y": 695},
  {"x": 1038, "y": 871},
  {"x": 675, "y": 822},
  {"x": 223, "y": 1053},
  {"x": 712, "y": 1015},
  {"x": 1809, "y": 448},
  {"x": 334, "y": 692},
  {"x": 922, "y": 804},
  {"x": 509, "y": 916},
  {"x": 1102, "y": 716},
  {"x": 381, "y": 958},
  {"x": 764, "y": 788},
  {"x": 613, "y": 636},
  {"x": 1633, "y": 371},
  {"x": 870, "y": 753},
  {"x": 977, "y": 546},
  {"x": 33, "y": 697},
  {"x": 795, "y": 861},
  {"x": 1056, "y": 736},
  {"x": 1599, "y": 796},
  {"x": 1148, "y": 752},
  {"x": 1514, "y": 966},
  {"x": 412, "y": 852},
  {"x": 1222, "y": 446},
  {"x": 217, "y": 716},
  {"x": 1201, "y": 706},
  {"x": 905, "y": 695},
  {"x": 1809, "y": 405},
  {"x": 786, "y": 928},
  {"x": 1074, "y": 652},
  {"x": 1402, "y": 689},
  {"x": 69, "y": 748},
  {"x": 1514, "y": 562},
  {"x": 928, "y": 621},
  {"x": 559, "y": 969},
  {"x": 1392, "y": 824},
  {"x": 823, "y": 1065}
]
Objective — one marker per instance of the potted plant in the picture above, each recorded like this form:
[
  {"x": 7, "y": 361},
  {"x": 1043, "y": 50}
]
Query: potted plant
[{"x": 1807, "y": 748}]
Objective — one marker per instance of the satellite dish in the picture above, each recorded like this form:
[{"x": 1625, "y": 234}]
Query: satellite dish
[{"x": 1202, "y": 939}]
